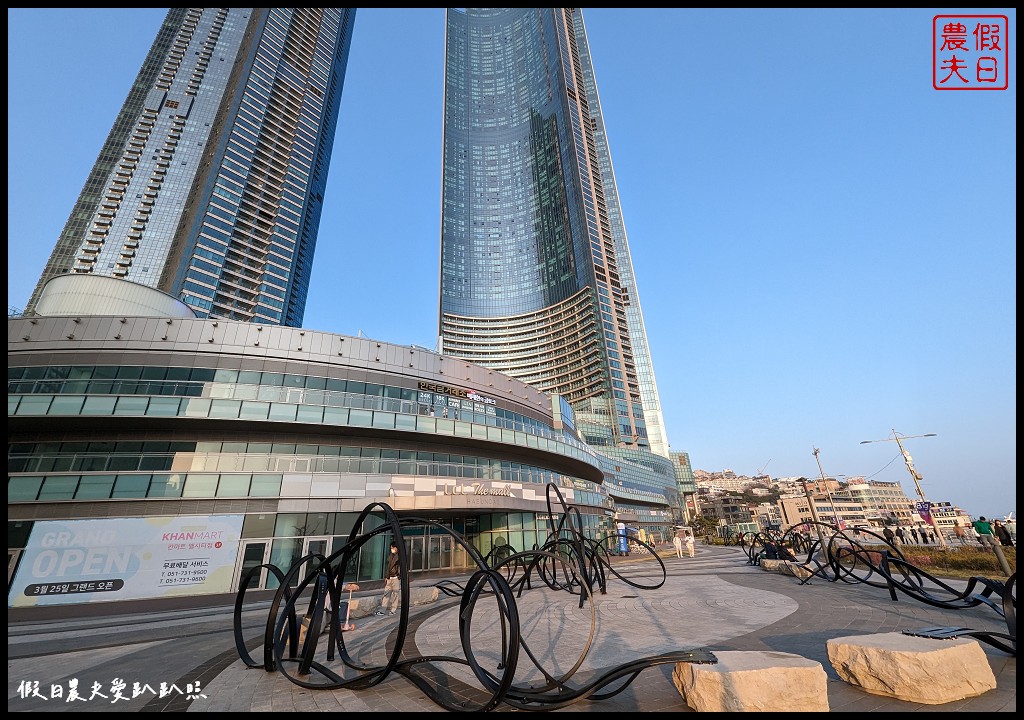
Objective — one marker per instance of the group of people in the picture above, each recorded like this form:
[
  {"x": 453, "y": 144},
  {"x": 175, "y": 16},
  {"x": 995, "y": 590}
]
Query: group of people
[
  {"x": 986, "y": 532},
  {"x": 678, "y": 543},
  {"x": 990, "y": 533},
  {"x": 921, "y": 536}
]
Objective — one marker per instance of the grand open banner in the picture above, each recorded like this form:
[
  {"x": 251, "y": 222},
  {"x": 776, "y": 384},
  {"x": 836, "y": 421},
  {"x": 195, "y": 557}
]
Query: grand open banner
[{"x": 79, "y": 561}]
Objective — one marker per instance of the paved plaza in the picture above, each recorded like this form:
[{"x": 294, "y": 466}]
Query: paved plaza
[{"x": 715, "y": 602}]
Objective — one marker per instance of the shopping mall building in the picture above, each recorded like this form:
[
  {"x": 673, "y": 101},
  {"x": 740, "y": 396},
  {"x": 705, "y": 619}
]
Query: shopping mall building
[{"x": 154, "y": 454}]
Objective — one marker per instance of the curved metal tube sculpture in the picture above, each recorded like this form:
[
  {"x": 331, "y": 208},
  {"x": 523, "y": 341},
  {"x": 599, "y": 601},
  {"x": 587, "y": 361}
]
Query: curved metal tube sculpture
[
  {"x": 568, "y": 561},
  {"x": 857, "y": 558}
]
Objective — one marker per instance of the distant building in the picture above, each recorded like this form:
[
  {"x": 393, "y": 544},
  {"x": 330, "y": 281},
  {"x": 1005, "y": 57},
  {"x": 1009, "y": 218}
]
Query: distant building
[
  {"x": 884, "y": 503},
  {"x": 685, "y": 484},
  {"x": 727, "y": 510}
]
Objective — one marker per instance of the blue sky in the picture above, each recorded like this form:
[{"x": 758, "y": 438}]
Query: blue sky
[{"x": 824, "y": 245}]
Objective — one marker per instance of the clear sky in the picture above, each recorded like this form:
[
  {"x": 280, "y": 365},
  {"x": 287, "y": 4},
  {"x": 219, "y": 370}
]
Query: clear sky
[{"x": 824, "y": 245}]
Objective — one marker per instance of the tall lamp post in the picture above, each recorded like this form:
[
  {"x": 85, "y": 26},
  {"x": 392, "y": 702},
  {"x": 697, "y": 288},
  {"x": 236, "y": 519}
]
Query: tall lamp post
[
  {"x": 814, "y": 515},
  {"x": 914, "y": 474},
  {"x": 828, "y": 493}
]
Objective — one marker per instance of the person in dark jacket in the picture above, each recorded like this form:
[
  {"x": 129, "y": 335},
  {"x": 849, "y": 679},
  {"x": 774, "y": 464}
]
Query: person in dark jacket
[
  {"x": 392, "y": 584},
  {"x": 1002, "y": 534}
]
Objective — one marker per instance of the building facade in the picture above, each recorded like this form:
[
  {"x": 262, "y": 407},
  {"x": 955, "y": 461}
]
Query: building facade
[
  {"x": 536, "y": 275},
  {"x": 686, "y": 485},
  {"x": 211, "y": 182},
  {"x": 168, "y": 454}
]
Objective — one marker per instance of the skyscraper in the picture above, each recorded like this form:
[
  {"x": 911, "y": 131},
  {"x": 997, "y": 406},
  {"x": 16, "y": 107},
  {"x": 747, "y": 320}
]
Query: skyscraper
[
  {"x": 536, "y": 275},
  {"x": 210, "y": 184}
]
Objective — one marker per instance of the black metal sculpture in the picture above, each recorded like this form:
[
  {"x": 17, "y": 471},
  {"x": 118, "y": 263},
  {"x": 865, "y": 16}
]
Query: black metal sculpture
[
  {"x": 868, "y": 558},
  {"x": 568, "y": 561}
]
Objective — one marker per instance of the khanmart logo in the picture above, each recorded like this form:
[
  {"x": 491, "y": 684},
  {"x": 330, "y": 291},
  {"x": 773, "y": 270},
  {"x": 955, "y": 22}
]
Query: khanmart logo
[{"x": 970, "y": 52}]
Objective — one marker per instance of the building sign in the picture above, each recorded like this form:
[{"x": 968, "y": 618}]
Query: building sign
[
  {"x": 478, "y": 489},
  {"x": 924, "y": 509},
  {"x": 457, "y": 392},
  {"x": 78, "y": 561}
]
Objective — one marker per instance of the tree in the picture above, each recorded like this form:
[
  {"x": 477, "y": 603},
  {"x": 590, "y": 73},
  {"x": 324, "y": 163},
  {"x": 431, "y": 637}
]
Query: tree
[{"x": 703, "y": 525}]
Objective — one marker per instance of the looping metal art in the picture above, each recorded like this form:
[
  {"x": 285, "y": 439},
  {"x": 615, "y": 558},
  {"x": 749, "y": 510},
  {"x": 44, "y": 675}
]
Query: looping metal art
[
  {"x": 568, "y": 561},
  {"x": 867, "y": 557}
]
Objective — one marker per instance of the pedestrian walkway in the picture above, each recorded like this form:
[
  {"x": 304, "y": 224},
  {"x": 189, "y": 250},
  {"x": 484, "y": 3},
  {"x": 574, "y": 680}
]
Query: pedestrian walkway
[{"x": 715, "y": 601}]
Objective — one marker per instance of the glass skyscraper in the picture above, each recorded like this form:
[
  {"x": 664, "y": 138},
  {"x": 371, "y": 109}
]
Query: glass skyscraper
[
  {"x": 211, "y": 182},
  {"x": 536, "y": 275}
]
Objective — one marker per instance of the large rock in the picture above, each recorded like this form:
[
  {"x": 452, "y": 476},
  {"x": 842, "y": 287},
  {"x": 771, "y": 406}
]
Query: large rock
[
  {"x": 916, "y": 669},
  {"x": 753, "y": 681},
  {"x": 786, "y": 567}
]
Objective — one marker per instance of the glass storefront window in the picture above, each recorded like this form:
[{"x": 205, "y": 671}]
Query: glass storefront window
[
  {"x": 265, "y": 485},
  {"x": 94, "y": 487},
  {"x": 290, "y": 525},
  {"x": 60, "y": 487},
  {"x": 254, "y": 410},
  {"x": 200, "y": 485},
  {"x": 130, "y": 486},
  {"x": 34, "y": 405},
  {"x": 196, "y": 407},
  {"x": 163, "y": 407},
  {"x": 282, "y": 412},
  {"x": 227, "y": 409},
  {"x": 67, "y": 405},
  {"x": 234, "y": 485},
  {"x": 310, "y": 414},
  {"x": 24, "y": 487},
  {"x": 166, "y": 486}
]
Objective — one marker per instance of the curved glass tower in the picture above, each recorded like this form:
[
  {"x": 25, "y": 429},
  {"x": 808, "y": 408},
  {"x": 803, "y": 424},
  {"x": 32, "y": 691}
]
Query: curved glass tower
[
  {"x": 210, "y": 184},
  {"x": 536, "y": 276}
]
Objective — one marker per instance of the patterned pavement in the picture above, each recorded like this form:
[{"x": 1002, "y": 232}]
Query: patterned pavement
[{"x": 715, "y": 601}]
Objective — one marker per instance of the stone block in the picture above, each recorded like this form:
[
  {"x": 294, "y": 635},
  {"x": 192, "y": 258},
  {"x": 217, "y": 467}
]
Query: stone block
[
  {"x": 753, "y": 681},
  {"x": 777, "y": 566},
  {"x": 916, "y": 669}
]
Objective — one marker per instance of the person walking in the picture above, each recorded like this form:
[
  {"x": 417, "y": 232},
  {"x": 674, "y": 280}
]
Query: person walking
[
  {"x": 960, "y": 533},
  {"x": 913, "y": 534},
  {"x": 690, "y": 545},
  {"x": 889, "y": 535},
  {"x": 899, "y": 535},
  {"x": 984, "y": 529},
  {"x": 392, "y": 585},
  {"x": 678, "y": 543}
]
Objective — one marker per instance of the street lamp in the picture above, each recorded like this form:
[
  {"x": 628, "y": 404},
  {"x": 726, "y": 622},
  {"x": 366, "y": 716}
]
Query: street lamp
[
  {"x": 814, "y": 515},
  {"x": 828, "y": 493},
  {"x": 898, "y": 437}
]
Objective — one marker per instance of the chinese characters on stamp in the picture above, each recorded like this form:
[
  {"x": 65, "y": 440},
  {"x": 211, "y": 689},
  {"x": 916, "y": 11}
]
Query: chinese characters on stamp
[{"x": 970, "y": 52}]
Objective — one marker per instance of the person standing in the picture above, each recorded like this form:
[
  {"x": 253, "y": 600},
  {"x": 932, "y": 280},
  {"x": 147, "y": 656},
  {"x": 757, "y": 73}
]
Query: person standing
[
  {"x": 392, "y": 584},
  {"x": 984, "y": 529},
  {"x": 1002, "y": 534},
  {"x": 690, "y": 545},
  {"x": 678, "y": 543}
]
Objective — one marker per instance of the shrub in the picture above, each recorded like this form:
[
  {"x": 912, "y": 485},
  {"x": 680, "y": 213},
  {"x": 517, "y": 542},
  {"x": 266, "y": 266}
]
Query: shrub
[{"x": 964, "y": 559}]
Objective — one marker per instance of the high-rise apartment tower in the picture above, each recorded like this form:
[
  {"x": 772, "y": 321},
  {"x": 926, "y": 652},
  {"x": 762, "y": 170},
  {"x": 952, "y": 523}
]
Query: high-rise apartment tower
[
  {"x": 211, "y": 182},
  {"x": 536, "y": 276}
]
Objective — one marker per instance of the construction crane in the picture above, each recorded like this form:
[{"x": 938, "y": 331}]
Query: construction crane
[{"x": 760, "y": 472}]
